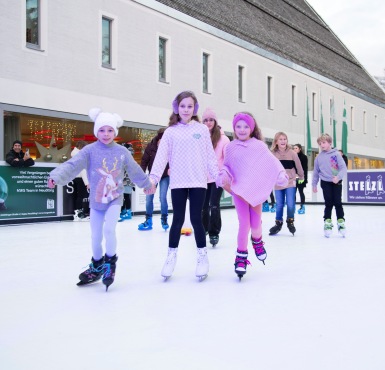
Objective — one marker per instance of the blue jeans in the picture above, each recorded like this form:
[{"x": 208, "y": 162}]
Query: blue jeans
[
  {"x": 163, "y": 188},
  {"x": 280, "y": 196}
]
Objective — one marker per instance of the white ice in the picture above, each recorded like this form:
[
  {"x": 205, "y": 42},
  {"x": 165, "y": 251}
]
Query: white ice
[{"x": 318, "y": 303}]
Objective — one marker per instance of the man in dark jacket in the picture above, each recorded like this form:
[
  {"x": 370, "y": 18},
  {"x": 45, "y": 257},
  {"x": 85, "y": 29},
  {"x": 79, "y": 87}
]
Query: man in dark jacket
[
  {"x": 17, "y": 158},
  {"x": 146, "y": 163}
]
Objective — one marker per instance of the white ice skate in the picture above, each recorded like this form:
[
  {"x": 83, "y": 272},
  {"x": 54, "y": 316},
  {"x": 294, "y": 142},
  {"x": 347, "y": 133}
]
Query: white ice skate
[
  {"x": 169, "y": 265},
  {"x": 328, "y": 227},
  {"x": 341, "y": 227},
  {"x": 202, "y": 264}
]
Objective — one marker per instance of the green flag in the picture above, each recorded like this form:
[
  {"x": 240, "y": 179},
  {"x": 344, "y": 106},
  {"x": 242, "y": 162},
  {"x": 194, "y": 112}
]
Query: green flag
[
  {"x": 308, "y": 144},
  {"x": 332, "y": 115},
  {"x": 322, "y": 120},
  {"x": 344, "y": 142}
]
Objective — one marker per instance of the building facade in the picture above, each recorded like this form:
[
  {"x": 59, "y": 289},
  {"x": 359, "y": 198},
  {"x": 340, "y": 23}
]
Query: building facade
[{"x": 276, "y": 59}]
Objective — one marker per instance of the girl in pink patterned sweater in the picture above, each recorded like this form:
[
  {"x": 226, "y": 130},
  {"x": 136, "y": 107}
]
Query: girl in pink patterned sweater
[
  {"x": 187, "y": 147},
  {"x": 249, "y": 173}
]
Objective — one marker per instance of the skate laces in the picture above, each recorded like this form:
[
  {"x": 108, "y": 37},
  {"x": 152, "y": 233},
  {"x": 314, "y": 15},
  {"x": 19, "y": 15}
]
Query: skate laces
[
  {"x": 328, "y": 224},
  {"x": 202, "y": 255},
  {"x": 258, "y": 247},
  {"x": 241, "y": 262}
]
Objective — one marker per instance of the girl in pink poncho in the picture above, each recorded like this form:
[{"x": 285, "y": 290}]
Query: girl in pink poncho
[{"x": 249, "y": 173}]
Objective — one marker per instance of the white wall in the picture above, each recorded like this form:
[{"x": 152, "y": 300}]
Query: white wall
[{"x": 67, "y": 76}]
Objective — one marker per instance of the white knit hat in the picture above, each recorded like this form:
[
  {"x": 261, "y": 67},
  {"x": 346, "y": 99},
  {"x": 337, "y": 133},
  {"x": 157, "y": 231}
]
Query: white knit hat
[{"x": 105, "y": 119}]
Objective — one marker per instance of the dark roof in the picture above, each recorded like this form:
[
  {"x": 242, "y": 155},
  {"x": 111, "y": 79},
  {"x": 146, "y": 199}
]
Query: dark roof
[{"x": 290, "y": 29}]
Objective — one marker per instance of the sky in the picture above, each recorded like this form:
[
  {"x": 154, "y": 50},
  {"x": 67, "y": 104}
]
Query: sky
[{"x": 360, "y": 25}]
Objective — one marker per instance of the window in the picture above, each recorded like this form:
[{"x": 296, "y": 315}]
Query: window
[
  {"x": 331, "y": 110},
  {"x": 241, "y": 93},
  {"x": 205, "y": 72},
  {"x": 352, "y": 118},
  {"x": 365, "y": 123},
  {"x": 33, "y": 23},
  {"x": 106, "y": 42},
  {"x": 375, "y": 125},
  {"x": 270, "y": 93},
  {"x": 293, "y": 100},
  {"x": 314, "y": 106},
  {"x": 162, "y": 59}
]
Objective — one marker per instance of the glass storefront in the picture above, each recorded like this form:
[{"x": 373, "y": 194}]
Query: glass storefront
[{"x": 52, "y": 139}]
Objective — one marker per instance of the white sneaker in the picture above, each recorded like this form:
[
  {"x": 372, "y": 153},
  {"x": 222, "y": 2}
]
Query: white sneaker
[
  {"x": 202, "y": 263},
  {"x": 170, "y": 263}
]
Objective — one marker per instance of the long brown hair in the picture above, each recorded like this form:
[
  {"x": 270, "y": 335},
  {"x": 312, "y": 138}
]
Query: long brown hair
[{"x": 175, "y": 118}]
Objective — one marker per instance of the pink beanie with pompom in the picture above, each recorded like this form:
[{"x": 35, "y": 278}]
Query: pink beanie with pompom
[{"x": 209, "y": 113}]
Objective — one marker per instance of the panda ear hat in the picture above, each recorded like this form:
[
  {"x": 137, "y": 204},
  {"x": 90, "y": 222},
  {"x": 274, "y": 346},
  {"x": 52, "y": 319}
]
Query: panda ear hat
[{"x": 105, "y": 119}]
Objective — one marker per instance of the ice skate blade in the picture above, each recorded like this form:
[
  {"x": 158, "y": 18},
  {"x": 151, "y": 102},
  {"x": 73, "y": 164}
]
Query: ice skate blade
[
  {"x": 201, "y": 278},
  {"x": 84, "y": 283},
  {"x": 165, "y": 278},
  {"x": 240, "y": 275}
]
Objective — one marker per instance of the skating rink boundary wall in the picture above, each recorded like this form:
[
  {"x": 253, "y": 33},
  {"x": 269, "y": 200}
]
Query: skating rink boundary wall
[{"x": 25, "y": 197}]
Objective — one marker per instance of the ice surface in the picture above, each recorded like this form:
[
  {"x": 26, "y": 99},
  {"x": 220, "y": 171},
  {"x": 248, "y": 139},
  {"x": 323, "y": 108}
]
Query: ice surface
[{"x": 317, "y": 303}]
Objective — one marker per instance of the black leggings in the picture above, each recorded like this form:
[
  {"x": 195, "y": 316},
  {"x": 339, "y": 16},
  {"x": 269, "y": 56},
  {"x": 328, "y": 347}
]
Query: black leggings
[{"x": 179, "y": 199}]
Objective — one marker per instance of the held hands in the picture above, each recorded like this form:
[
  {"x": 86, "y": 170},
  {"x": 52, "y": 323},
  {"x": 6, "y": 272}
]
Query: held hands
[
  {"x": 223, "y": 180},
  {"x": 51, "y": 183},
  {"x": 151, "y": 190}
]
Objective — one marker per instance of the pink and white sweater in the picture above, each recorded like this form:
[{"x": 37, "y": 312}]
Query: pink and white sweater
[
  {"x": 220, "y": 152},
  {"x": 253, "y": 170},
  {"x": 189, "y": 151}
]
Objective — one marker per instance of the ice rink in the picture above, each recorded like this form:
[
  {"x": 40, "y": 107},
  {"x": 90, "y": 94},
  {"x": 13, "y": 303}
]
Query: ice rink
[{"x": 318, "y": 303}]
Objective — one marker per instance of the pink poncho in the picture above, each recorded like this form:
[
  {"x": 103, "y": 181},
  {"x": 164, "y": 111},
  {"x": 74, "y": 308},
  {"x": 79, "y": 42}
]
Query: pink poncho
[{"x": 253, "y": 169}]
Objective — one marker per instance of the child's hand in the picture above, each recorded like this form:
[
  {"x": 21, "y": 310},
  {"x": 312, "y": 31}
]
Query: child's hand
[
  {"x": 336, "y": 180},
  {"x": 223, "y": 180},
  {"x": 51, "y": 183},
  {"x": 151, "y": 190},
  {"x": 315, "y": 190},
  {"x": 282, "y": 179}
]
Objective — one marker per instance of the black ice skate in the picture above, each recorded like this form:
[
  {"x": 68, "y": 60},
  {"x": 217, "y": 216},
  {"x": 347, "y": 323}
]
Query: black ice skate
[
  {"x": 241, "y": 263},
  {"x": 93, "y": 273},
  {"x": 109, "y": 270},
  {"x": 277, "y": 228},
  {"x": 290, "y": 225},
  {"x": 214, "y": 239}
]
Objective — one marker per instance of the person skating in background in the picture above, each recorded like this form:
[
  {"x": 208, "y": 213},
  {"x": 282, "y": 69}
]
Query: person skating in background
[
  {"x": 17, "y": 158},
  {"x": 330, "y": 168},
  {"x": 129, "y": 186},
  {"x": 211, "y": 214},
  {"x": 301, "y": 186},
  {"x": 146, "y": 164},
  {"x": 249, "y": 173},
  {"x": 265, "y": 205},
  {"x": 187, "y": 147},
  {"x": 105, "y": 162},
  {"x": 290, "y": 161},
  {"x": 82, "y": 207},
  {"x": 344, "y": 157}
]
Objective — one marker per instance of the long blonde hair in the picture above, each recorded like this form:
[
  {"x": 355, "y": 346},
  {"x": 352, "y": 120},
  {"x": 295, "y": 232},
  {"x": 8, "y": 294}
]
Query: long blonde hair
[{"x": 274, "y": 145}]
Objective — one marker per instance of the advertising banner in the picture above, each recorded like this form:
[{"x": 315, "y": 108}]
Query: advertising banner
[
  {"x": 366, "y": 187},
  {"x": 24, "y": 193}
]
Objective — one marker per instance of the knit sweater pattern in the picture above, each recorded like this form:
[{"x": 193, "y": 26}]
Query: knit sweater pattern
[
  {"x": 252, "y": 168},
  {"x": 292, "y": 165},
  {"x": 327, "y": 165},
  {"x": 105, "y": 166},
  {"x": 190, "y": 154}
]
